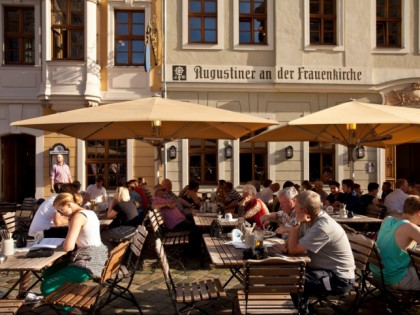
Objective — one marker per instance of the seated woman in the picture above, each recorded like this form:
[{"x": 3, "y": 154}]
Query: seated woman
[
  {"x": 254, "y": 208},
  {"x": 122, "y": 209},
  {"x": 395, "y": 236},
  {"x": 83, "y": 236},
  {"x": 190, "y": 195}
]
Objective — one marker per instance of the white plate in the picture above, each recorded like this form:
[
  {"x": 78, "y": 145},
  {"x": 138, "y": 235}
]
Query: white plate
[{"x": 268, "y": 234}]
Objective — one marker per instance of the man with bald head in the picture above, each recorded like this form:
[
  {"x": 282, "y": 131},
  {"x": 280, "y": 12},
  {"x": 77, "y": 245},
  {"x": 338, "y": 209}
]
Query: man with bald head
[{"x": 60, "y": 173}]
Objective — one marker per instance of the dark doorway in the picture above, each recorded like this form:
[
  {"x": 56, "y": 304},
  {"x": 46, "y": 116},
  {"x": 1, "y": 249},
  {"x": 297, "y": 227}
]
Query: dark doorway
[
  {"x": 408, "y": 165},
  {"x": 17, "y": 167}
]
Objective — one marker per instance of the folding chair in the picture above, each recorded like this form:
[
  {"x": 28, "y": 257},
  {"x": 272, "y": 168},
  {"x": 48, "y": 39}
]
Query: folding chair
[
  {"x": 174, "y": 241},
  {"x": 397, "y": 301},
  {"x": 90, "y": 295},
  {"x": 268, "y": 284},
  {"x": 125, "y": 276},
  {"x": 9, "y": 219},
  {"x": 10, "y": 306},
  {"x": 189, "y": 294},
  {"x": 26, "y": 213}
]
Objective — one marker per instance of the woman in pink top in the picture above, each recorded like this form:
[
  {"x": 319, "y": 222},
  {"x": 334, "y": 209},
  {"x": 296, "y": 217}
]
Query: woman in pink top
[{"x": 173, "y": 217}]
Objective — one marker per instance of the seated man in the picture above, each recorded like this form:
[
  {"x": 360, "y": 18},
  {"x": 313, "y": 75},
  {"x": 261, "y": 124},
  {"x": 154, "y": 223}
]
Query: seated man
[
  {"x": 386, "y": 190},
  {"x": 98, "y": 192},
  {"x": 369, "y": 198},
  {"x": 232, "y": 198},
  {"x": 266, "y": 193},
  {"x": 331, "y": 270},
  {"x": 286, "y": 217},
  {"x": 394, "y": 202},
  {"x": 351, "y": 199},
  {"x": 395, "y": 236},
  {"x": 335, "y": 197}
]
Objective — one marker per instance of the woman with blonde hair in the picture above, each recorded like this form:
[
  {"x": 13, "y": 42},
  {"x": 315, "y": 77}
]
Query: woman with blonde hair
[
  {"x": 122, "y": 209},
  {"x": 83, "y": 236}
]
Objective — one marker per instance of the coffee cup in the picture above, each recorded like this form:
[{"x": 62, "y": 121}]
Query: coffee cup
[
  {"x": 228, "y": 216},
  {"x": 8, "y": 247},
  {"x": 330, "y": 209}
]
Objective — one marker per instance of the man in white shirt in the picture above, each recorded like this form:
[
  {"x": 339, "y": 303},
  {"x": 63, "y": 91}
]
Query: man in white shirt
[
  {"x": 96, "y": 191},
  {"x": 266, "y": 193},
  {"x": 394, "y": 202}
]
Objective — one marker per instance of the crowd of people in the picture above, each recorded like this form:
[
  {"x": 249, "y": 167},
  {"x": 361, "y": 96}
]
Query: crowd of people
[{"x": 295, "y": 210}]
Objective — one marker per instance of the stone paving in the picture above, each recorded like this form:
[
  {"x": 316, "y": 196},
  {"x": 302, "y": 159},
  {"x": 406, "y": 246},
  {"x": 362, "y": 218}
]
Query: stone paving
[{"x": 150, "y": 290}]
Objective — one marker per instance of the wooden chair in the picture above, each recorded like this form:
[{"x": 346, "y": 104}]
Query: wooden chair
[
  {"x": 125, "y": 276},
  {"x": 9, "y": 219},
  {"x": 25, "y": 214},
  {"x": 90, "y": 295},
  {"x": 189, "y": 294},
  {"x": 268, "y": 284},
  {"x": 397, "y": 301},
  {"x": 10, "y": 306},
  {"x": 415, "y": 258},
  {"x": 361, "y": 247},
  {"x": 174, "y": 241}
]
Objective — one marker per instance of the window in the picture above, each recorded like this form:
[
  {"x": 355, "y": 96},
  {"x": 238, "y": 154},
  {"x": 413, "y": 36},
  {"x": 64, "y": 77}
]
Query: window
[
  {"x": 67, "y": 23},
  {"x": 202, "y": 21},
  {"x": 252, "y": 160},
  {"x": 253, "y": 22},
  {"x": 107, "y": 158},
  {"x": 203, "y": 160},
  {"x": 321, "y": 161},
  {"x": 388, "y": 23},
  {"x": 322, "y": 22},
  {"x": 19, "y": 35},
  {"x": 129, "y": 38}
]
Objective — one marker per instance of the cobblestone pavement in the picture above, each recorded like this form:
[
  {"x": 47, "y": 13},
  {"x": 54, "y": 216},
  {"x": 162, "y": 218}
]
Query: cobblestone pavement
[{"x": 150, "y": 290}]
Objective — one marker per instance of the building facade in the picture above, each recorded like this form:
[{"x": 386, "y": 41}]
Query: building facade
[
  {"x": 60, "y": 55},
  {"x": 285, "y": 59},
  {"x": 276, "y": 59}
]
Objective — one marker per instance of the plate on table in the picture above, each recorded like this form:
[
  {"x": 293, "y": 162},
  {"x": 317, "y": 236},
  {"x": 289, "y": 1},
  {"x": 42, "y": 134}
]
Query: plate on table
[{"x": 268, "y": 234}]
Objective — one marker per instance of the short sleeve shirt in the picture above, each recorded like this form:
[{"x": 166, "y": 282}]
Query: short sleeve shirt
[
  {"x": 60, "y": 173},
  {"x": 328, "y": 247}
]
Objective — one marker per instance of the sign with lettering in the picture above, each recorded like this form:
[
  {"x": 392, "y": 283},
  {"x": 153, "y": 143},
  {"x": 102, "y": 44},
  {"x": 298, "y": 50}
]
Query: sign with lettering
[{"x": 278, "y": 74}]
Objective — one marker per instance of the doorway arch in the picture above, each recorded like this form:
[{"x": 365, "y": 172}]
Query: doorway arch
[{"x": 17, "y": 167}]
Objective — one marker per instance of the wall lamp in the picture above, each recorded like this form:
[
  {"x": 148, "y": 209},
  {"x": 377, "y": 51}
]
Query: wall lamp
[
  {"x": 289, "y": 152},
  {"x": 228, "y": 152},
  {"x": 360, "y": 152},
  {"x": 172, "y": 152}
]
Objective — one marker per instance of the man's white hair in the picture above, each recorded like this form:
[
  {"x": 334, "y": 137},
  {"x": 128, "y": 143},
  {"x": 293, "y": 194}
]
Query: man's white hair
[{"x": 289, "y": 192}]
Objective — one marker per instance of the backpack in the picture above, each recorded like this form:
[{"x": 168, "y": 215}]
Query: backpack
[{"x": 215, "y": 228}]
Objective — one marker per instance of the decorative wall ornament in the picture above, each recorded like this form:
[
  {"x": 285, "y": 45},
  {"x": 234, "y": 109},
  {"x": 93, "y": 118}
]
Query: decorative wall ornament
[
  {"x": 404, "y": 97},
  {"x": 152, "y": 37}
]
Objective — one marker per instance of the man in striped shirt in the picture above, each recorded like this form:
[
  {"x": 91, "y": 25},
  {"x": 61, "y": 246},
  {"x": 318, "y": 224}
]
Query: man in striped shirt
[{"x": 232, "y": 198}]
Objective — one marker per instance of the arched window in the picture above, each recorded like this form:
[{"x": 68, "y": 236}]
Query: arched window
[{"x": 107, "y": 158}]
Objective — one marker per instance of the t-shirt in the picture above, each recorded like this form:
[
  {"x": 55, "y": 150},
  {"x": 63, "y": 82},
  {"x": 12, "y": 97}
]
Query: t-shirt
[
  {"x": 171, "y": 216},
  {"x": 127, "y": 214},
  {"x": 90, "y": 233},
  {"x": 395, "y": 200},
  {"x": 95, "y": 192},
  {"x": 60, "y": 173},
  {"x": 328, "y": 247},
  {"x": 43, "y": 216},
  {"x": 395, "y": 260}
]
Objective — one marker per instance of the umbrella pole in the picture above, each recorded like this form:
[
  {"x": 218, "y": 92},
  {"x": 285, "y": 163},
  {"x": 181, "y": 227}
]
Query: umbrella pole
[{"x": 350, "y": 161}]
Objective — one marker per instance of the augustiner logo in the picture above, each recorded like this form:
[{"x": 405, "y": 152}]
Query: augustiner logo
[{"x": 179, "y": 73}]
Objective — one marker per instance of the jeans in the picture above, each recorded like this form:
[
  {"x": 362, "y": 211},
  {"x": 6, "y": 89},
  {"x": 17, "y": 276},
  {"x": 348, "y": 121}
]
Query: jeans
[{"x": 321, "y": 283}]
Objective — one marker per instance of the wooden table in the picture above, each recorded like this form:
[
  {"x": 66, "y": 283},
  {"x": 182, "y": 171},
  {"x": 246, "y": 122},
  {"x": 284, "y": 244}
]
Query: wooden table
[
  {"x": 357, "y": 219},
  {"x": 227, "y": 256},
  {"x": 205, "y": 222},
  {"x": 26, "y": 266}
]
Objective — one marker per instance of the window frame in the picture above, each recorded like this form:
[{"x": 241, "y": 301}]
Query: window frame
[
  {"x": 339, "y": 29},
  {"x": 254, "y": 149},
  {"x": 202, "y": 152},
  {"x": 322, "y": 18},
  {"x": 322, "y": 148},
  {"x": 219, "y": 25},
  {"x": 269, "y": 28},
  {"x": 250, "y": 18},
  {"x": 405, "y": 31},
  {"x": 106, "y": 162},
  {"x": 130, "y": 38},
  {"x": 68, "y": 27},
  {"x": 20, "y": 35}
]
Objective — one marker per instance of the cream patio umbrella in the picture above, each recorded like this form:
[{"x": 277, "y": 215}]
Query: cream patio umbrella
[
  {"x": 351, "y": 124},
  {"x": 154, "y": 120}
]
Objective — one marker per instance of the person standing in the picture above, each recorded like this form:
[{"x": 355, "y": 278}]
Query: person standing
[{"x": 60, "y": 173}]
